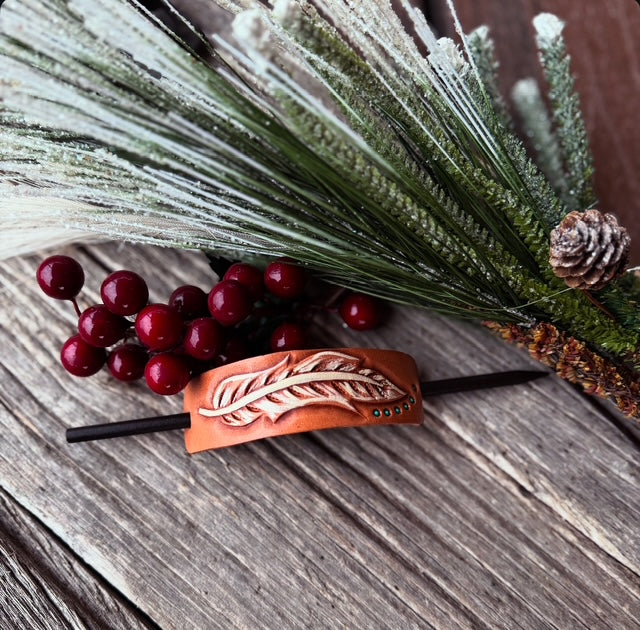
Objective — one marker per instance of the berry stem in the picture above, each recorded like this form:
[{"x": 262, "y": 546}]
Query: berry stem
[{"x": 75, "y": 306}]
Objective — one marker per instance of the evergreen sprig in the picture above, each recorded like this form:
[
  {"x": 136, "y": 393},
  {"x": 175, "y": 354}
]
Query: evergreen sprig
[
  {"x": 318, "y": 130},
  {"x": 538, "y": 127},
  {"x": 567, "y": 115}
]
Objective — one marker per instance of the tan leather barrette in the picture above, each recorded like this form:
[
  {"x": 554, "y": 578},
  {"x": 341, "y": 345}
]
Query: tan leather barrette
[
  {"x": 302, "y": 390},
  {"x": 299, "y": 391}
]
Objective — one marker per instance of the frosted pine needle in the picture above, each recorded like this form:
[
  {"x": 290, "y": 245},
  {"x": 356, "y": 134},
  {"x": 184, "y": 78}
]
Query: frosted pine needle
[{"x": 566, "y": 112}]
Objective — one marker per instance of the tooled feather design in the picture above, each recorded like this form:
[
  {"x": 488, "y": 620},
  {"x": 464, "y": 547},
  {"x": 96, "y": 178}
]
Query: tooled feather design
[{"x": 327, "y": 377}]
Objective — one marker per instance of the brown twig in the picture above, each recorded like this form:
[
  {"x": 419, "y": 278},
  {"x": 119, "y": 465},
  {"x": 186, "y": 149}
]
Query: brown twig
[{"x": 594, "y": 300}]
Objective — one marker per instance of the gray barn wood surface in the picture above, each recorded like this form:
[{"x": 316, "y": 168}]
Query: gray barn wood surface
[
  {"x": 512, "y": 508},
  {"x": 509, "y": 508}
]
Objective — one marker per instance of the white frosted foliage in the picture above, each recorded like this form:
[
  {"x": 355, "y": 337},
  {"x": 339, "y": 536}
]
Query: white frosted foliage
[
  {"x": 453, "y": 54},
  {"x": 286, "y": 12},
  {"x": 318, "y": 130},
  {"x": 481, "y": 32},
  {"x": 249, "y": 28},
  {"x": 526, "y": 91},
  {"x": 548, "y": 28}
]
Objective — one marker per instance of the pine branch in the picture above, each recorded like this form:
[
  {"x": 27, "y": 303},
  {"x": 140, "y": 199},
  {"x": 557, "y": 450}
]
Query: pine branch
[
  {"x": 483, "y": 51},
  {"x": 538, "y": 127},
  {"x": 622, "y": 298},
  {"x": 323, "y": 134},
  {"x": 567, "y": 116}
]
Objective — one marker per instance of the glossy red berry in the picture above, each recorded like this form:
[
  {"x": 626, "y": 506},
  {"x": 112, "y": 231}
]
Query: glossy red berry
[
  {"x": 60, "y": 277},
  {"x": 230, "y": 302},
  {"x": 287, "y": 336},
  {"x": 127, "y": 362},
  {"x": 361, "y": 312},
  {"x": 124, "y": 292},
  {"x": 99, "y": 327},
  {"x": 159, "y": 327},
  {"x": 249, "y": 276},
  {"x": 285, "y": 279},
  {"x": 203, "y": 339},
  {"x": 189, "y": 301},
  {"x": 81, "y": 359},
  {"x": 167, "y": 374}
]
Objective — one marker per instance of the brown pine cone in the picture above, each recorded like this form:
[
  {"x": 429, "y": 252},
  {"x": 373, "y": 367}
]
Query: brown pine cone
[{"x": 589, "y": 249}]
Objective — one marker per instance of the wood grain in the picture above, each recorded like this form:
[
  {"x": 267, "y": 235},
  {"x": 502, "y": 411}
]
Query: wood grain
[
  {"x": 512, "y": 508},
  {"x": 46, "y": 586},
  {"x": 603, "y": 41}
]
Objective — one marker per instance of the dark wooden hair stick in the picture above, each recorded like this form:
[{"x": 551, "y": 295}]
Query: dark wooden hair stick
[
  {"x": 183, "y": 420},
  {"x": 129, "y": 427},
  {"x": 478, "y": 381}
]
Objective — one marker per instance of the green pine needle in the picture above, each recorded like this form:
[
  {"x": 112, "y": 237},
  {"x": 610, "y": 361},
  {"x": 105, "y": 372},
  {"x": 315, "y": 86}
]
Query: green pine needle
[
  {"x": 538, "y": 127},
  {"x": 567, "y": 116}
]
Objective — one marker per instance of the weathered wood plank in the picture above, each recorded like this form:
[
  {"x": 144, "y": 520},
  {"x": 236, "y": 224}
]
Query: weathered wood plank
[
  {"x": 511, "y": 508},
  {"x": 45, "y": 586}
]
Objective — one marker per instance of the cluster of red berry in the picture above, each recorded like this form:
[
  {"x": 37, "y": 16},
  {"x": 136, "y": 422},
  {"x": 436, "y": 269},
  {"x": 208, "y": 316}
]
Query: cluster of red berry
[{"x": 194, "y": 331}]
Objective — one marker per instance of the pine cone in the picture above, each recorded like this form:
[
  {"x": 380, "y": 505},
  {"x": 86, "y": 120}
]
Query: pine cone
[{"x": 589, "y": 249}]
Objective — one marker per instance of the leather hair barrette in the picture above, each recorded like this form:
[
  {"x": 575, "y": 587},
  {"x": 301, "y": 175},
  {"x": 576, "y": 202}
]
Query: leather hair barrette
[{"x": 298, "y": 391}]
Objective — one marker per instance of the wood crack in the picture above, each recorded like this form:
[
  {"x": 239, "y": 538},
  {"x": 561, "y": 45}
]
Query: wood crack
[{"x": 55, "y": 592}]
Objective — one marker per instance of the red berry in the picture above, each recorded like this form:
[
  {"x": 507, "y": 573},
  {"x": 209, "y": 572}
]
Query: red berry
[
  {"x": 189, "y": 301},
  {"x": 203, "y": 339},
  {"x": 159, "y": 327},
  {"x": 124, "y": 292},
  {"x": 361, "y": 312},
  {"x": 127, "y": 362},
  {"x": 287, "y": 337},
  {"x": 99, "y": 327},
  {"x": 81, "y": 359},
  {"x": 285, "y": 279},
  {"x": 60, "y": 277},
  {"x": 249, "y": 276},
  {"x": 167, "y": 374},
  {"x": 229, "y": 302}
]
